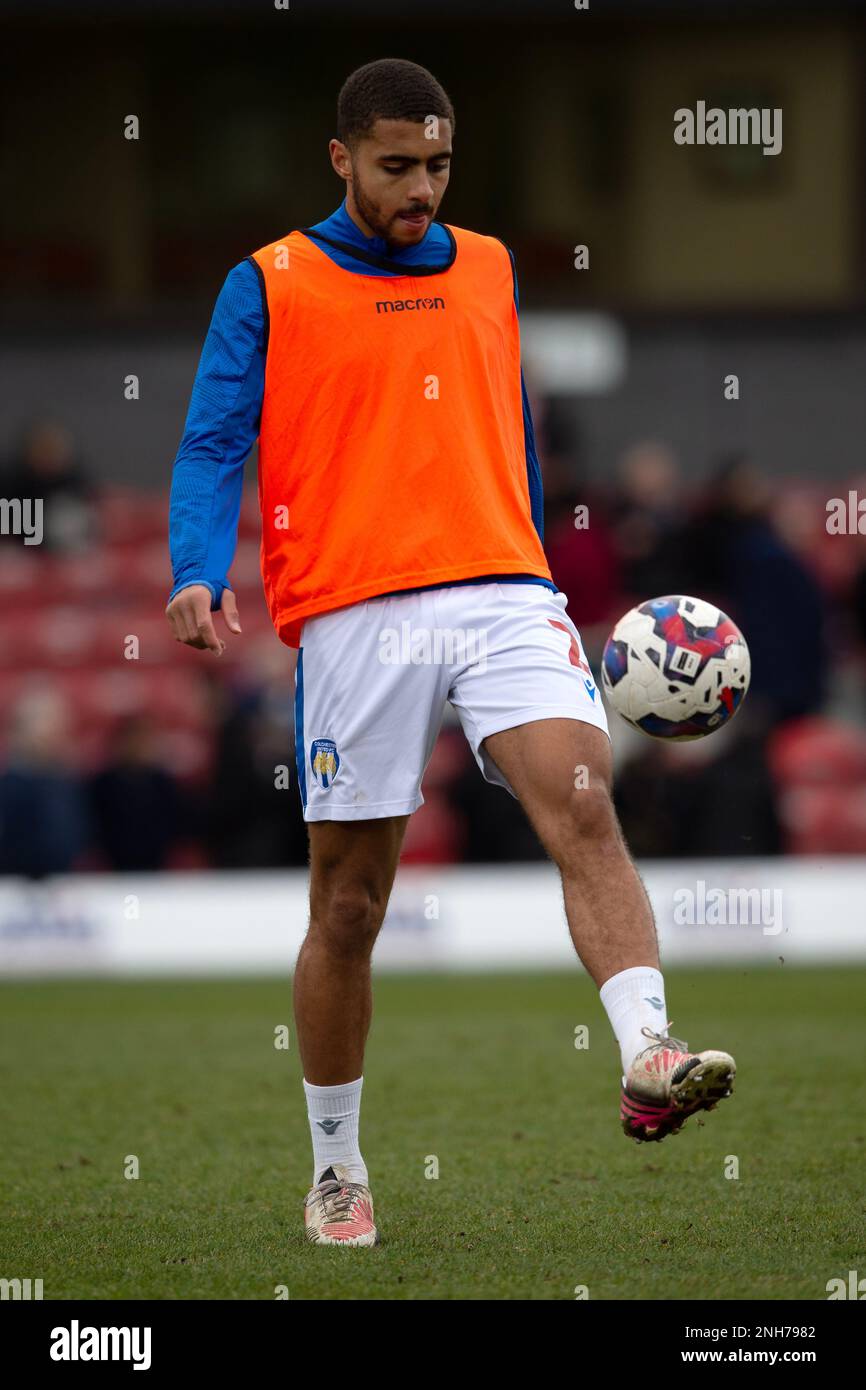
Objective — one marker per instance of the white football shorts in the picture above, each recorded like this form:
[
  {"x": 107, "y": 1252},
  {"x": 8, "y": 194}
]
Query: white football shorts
[{"x": 373, "y": 679}]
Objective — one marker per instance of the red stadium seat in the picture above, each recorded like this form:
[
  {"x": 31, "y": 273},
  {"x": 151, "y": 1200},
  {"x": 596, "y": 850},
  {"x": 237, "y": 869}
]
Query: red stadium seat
[{"x": 820, "y": 768}]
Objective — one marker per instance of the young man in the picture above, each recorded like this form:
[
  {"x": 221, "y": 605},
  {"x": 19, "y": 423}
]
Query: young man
[{"x": 376, "y": 355}]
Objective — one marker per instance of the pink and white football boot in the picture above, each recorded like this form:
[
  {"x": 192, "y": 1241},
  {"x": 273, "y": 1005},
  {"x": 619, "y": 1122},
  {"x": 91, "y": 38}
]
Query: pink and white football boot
[
  {"x": 338, "y": 1211},
  {"x": 666, "y": 1084}
]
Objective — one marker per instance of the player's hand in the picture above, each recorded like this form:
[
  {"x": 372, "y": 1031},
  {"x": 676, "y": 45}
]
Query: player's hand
[{"x": 192, "y": 622}]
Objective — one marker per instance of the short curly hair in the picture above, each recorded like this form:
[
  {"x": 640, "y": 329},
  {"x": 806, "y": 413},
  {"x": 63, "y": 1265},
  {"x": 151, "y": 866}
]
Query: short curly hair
[{"x": 391, "y": 89}]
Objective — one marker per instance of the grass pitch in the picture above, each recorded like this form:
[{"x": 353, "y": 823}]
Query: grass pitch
[{"x": 538, "y": 1191}]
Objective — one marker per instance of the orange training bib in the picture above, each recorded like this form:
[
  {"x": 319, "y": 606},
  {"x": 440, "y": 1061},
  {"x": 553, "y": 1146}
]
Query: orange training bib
[{"x": 391, "y": 450}]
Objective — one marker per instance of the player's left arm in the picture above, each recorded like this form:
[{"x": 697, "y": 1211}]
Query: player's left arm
[{"x": 533, "y": 467}]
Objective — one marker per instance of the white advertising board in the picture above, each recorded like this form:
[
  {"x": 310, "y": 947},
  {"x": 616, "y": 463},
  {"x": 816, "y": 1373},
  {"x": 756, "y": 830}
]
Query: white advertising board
[{"x": 714, "y": 912}]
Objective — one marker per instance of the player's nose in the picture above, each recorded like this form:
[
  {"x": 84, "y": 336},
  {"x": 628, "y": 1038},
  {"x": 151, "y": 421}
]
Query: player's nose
[{"x": 421, "y": 192}]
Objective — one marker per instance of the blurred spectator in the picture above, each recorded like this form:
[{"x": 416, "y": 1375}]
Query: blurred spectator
[
  {"x": 582, "y": 558},
  {"x": 647, "y": 518},
  {"x": 717, "y": 802},
  {"x": 43, "y": 810},
  {"x": 253, "y": 809},
  {"x": 47, "y": 468},
  {"x": 732, "y": 554},
  {"x": 135, "y": 802},
  {"x": 436, "y": 833},
  {"x": 858, "y": 599},
  {"x": 584, "y": 566},
  {"x": 558, "y": 437}
]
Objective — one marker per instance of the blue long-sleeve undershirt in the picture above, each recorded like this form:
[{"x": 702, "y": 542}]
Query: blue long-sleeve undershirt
[{"x": 224, "y": 415}]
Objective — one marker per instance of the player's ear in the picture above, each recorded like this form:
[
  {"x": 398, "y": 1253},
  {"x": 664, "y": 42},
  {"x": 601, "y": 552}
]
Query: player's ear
[{"x": 340, "y": 159}]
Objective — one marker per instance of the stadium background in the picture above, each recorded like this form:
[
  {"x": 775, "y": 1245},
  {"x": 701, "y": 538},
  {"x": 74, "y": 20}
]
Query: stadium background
[{"x": 141, "y": 831}]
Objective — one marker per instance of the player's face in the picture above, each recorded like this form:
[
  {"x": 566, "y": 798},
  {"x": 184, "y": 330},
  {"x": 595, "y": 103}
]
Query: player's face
[{"x": 396, "y": 177}]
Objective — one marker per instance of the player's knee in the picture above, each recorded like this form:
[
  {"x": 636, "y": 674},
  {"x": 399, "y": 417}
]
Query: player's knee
[
  {"x": 588, "y": 826},
  {"x": 347, "y": 920}
]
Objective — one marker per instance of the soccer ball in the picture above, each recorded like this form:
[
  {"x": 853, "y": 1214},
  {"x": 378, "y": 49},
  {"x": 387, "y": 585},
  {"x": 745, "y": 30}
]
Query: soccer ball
[{"x": 676, "y": 668}]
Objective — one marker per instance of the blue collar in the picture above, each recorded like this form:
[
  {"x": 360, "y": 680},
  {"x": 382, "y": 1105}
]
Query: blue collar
[{"x": 435, "y": 247}]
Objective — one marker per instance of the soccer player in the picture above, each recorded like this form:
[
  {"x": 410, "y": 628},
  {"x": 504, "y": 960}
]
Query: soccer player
[{"x": 376, "y": 356}]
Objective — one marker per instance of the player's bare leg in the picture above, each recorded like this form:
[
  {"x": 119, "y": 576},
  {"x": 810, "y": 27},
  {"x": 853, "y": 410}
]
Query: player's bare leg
[
  {"x": 561, "y": 770},
  {"x": 352, "y": 868}
]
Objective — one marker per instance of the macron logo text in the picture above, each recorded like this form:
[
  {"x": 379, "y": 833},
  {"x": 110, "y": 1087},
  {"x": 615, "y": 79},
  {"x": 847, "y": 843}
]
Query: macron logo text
[{"x": 396, "y": 306}]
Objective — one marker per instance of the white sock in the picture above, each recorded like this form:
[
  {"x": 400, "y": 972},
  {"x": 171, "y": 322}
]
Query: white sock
[
  {"x": 635, "y": 999},
  {"x": 334, "y": 1113}
]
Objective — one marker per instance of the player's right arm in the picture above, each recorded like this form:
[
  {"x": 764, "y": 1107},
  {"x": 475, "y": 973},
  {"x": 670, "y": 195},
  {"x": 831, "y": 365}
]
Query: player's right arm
[{"x": 207, "y": 479}]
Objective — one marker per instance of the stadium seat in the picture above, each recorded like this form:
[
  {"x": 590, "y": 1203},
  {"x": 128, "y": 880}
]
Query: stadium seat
[{"x": 819, "y": 766}]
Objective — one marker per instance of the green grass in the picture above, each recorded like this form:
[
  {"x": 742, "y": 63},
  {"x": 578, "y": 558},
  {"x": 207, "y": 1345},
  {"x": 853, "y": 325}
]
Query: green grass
[{"x": 538, "y": 1189}]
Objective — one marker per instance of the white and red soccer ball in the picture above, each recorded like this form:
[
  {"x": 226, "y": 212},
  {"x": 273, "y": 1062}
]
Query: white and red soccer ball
[{"x": 676, "y": 668}]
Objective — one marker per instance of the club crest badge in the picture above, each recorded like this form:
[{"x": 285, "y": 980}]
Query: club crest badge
[{"x": 324, "y": 761}]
